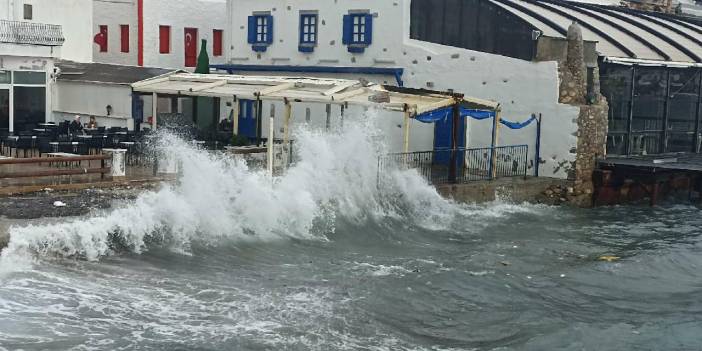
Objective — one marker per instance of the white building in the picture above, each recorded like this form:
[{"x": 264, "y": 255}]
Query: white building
[
  {"x": 158, "y": 33},
  {"x": 74, "y": 17},
  {"x": 102, "y": 91},
  {"x": 371, "y": 39},
  {"x": 27, "y": 54}
]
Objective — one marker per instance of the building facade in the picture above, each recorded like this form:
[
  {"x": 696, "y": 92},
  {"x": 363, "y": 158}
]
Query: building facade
[
  {"x": 27, "y": 55},
  {"x": 158, "y": 33},
  {"x": 372, "y": 40},
  {"x": 78, "y": 45}
]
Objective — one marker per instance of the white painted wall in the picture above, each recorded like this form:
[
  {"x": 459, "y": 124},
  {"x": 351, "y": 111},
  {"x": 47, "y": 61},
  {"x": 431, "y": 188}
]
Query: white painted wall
[
  {"x": 88, "y": 99},
  {"x": 521, "y": 87},
  {"x": 114, "y": 13},
  {"x": 205, "y": 15},
  {"x": 74, "y": 17}
]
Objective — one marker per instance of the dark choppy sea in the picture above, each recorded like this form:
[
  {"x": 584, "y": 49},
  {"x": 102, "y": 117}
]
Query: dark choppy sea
[{"x": 325, "y": 260}]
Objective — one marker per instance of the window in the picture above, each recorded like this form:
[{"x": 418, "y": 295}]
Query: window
[
  {"x": 358, "y": 31},
  {"x": 101, "y": 38},
  {"x": 28, "y": 12},
  {"x": 5, "y": 77},
  {"x": 260, "y": 31},
  {"x": 217, "y": 35},
  {"x": 30, "y": 78},
  {"x": 124, "y": 37},
  {"x": 164, "y": 39},
  {"x": 308, "y": 32}
]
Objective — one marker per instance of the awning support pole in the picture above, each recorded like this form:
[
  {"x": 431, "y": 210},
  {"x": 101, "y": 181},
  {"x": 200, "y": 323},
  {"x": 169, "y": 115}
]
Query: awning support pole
[
  {"x": 154, "y": 111},
  {"x": 235, "y": 116},
  {"x": 271, "y": 136},
  {"x": 286, "y": 126},
  {"x": 406, "y": 130},
  {"x": 287, "y": 145},
  {"x": 454, "y": 142},
  {"x": 495, "y": 141}
]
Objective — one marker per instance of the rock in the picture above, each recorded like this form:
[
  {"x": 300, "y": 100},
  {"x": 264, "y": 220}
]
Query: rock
[
  {"x": 505, "y": 263},
  {"x": 59, "y": 204},
  {"x": 548, "y": 192}
]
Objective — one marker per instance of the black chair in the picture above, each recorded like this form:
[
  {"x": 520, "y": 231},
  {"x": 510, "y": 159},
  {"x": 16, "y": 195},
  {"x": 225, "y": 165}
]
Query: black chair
[
  {"x": 44, "y": 146},
  {"x": 24, "y": 143}
]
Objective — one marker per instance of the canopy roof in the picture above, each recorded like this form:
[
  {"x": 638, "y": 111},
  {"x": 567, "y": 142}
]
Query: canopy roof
[
  {"x": 619, "y": 32},
  {"x": 319, "y": 90}
]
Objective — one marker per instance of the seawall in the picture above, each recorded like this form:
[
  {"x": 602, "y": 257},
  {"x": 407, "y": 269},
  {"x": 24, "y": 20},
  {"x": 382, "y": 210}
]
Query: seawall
[{"x": 537, "y": 190}]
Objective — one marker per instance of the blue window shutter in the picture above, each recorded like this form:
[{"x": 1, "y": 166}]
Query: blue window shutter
[
  {"x": 302, "y": 28},
  {"x": 252, "y": 29},
  {"x": 369, "y": 29},
  {"x": 269, "y": 23},
  {"x": 348, "y": 30}
]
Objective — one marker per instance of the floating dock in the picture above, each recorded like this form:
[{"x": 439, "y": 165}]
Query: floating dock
[{"x": 631, "y": 178}]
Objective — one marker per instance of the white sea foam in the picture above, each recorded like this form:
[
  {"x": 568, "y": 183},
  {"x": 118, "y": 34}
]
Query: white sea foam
[
  {"x": 218, "y": 198},
  {"x": 221, "y": 198}
]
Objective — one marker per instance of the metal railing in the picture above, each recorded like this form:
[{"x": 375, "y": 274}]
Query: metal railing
[
  {"x": 31, "y": 33},
  {"x": 461, "y": 165}
]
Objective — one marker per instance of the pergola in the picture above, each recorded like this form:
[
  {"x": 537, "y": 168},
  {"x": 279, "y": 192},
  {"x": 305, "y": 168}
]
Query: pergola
[{"x": 411, "y": 102}]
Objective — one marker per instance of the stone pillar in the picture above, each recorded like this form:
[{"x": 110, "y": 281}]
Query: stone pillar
[
  {"x": 592, "y": 120},
  {"x": 118, "y": 163},
  {"x": 573, "y": 70}
]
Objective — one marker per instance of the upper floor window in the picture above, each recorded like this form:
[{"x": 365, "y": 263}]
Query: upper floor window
[
  {"x": 260, "y": 31},
  {"x": 217, "y": 35},
  {"x": 164, "y": 39},
  {"x": 28, "y": 12},
  {"x": 358, "y": 31},
  {"x": 308, "y": 31},
  {"x": 101, "y": 38},
  {"x": 124, "y": 37}
]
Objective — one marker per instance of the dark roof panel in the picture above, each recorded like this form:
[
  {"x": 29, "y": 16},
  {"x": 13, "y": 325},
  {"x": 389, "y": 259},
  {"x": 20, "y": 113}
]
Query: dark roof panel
[
  {"x": 106, "y": 73},
  {"x": 620, "y": 32}
]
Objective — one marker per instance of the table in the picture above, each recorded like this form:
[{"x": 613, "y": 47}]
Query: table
[
  {"x": 41, "y": 130},
  {"x": 47, "y": 124},
  {"x": 55, "y": 145}
]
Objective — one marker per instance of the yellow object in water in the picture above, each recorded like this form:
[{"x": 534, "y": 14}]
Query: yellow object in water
[{"x": 608, "y": 258}]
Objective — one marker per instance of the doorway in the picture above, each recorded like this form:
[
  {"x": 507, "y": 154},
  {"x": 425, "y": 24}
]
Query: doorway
[
  {"x": 4, "y": 109},
  {"x": 247, "y": 119},
  {"x": 190, "y": 47}
]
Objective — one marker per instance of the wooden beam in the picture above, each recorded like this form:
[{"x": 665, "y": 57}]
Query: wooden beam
[
  {"x": 349, "y": 94},
  {"x": 276, "y": 88},
  {"x": 340, "y": 87},
  {"x": 436, "y": 105},
  {"x": 208, "y": 86}
]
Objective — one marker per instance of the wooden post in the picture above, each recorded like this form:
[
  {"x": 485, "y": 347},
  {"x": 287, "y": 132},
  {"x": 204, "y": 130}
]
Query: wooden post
[
  {"x": 271, "y": 136},
  {"x": 328, "y": 122},
  {"x": 406, "y": 130},
  {"x": 235, "y": 116},
  {"x": 495, "y": 141},
  {"x": 154, "y": 111},
  {"x": 286, "y": 126},
  {"x": 454, "y": 142}
]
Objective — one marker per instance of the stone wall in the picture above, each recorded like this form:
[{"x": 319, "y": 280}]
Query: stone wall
[{"x": 592, "y": 120}]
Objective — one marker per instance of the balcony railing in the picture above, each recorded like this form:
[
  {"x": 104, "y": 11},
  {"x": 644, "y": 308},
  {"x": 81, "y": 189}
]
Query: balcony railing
[
  {"x": 461, "y": 165},
  {"x": 31, "y": 33}
]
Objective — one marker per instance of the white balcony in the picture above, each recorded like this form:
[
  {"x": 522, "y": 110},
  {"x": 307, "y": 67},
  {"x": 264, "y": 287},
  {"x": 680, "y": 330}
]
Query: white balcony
[{"x": 31, "y": 33}]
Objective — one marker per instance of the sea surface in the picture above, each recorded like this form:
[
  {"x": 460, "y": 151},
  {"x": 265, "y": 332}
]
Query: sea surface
[{"x": 327, "y": 257}]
